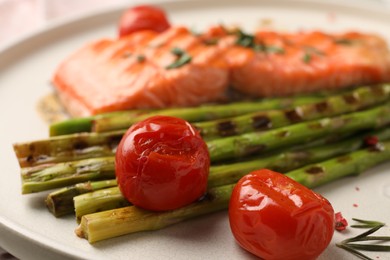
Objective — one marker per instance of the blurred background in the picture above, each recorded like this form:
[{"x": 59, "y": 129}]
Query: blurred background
[{"x": 19, "y": 18}]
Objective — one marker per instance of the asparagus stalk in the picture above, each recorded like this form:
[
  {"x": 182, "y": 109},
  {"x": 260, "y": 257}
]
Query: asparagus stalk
[
  {"x": 60, "y": 202},
  {"x": 59, "y": 175},
  {"x": 131, "y": 219},
  {"x": 259, "y": 142},
  {"x": 100, "y": 200},
  {"x": 84, "y": 124},
  {"x": 86, "y": 145},
  {"x": 204, "y": 113},
  {"x": 252, "y": 143},
  {"x": 231, "y": 173},
  {"x": 116, "y": 222},
  {"x": 67, "y": 148},
  {"x": 354, "y": 100}
]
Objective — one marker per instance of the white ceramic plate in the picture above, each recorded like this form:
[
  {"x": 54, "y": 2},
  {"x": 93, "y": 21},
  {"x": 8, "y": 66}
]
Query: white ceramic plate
[{"x": 28, "y": 231}]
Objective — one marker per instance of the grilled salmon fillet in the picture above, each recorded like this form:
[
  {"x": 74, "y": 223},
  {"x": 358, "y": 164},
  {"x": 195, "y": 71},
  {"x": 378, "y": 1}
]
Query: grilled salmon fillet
[
  {"x": 178, "y": 68},
  {"x": 279, "y": 64},
  {"x": 143, "y": 70}
]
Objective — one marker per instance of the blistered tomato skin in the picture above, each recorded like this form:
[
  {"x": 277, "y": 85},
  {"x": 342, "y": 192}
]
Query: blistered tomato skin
[
  {"x": 274, "y": 217},
  {"x": 162, "y": 163},
  {"x": 143, "y": 17}
]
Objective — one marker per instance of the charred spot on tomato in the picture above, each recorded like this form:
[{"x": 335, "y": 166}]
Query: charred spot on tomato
[
  {"x": 261, "y": 122},
  {"x": 322, "y": 106},
  {"x": 314, "y": 170},
  {"x": 226, "y": 128},
  {"x": 294, "y": 115}
]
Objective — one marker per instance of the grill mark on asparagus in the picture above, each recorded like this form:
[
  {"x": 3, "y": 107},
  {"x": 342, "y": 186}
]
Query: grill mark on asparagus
[
  {"x": 294, "y": 115},
  {"x": 376, "y": 148},
  {"x": 351, "y": 99},
  {"x": 322, "y": 106},
  {"x": 378, "y": 90},
  {"x": 283, "y": 134},
  {"x": 114, "y": 142},
  {"x": 261, "y": 122},
  {"x": 226, "y": 128},
  {"x": 315, "y": 170},
  {"x": 80, "y": 145},
  {"x": 344, "y": 159},
  {"x": 255, "y": 149}
]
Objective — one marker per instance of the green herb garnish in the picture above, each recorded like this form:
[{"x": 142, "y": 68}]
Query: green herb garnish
[
  {"x": 211, "y": 41},
  {"x": 182, "y": 58},
  {"x": 249, "y": 41},
  {"x": 309, "y": 52},
  {"x": 366, "y": 223},
  {"x": 141, "y": 58},
  {"x": 351, "y": 246},
  {"x": 274, "y": 49},
  {"x": 343, "y": 41},
  {"x": 306, "y": 57}
]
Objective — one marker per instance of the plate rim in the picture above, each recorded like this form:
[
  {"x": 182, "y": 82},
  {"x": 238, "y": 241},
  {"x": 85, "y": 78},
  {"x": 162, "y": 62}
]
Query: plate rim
[{"x": 54, "y": 248}]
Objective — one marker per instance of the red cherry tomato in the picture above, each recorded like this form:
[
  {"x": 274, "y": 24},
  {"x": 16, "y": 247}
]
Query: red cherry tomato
[
  {"x": 162, "y": 163},
  {"x": 274, "y": 217},
  {"x": 143, "y": 17}
]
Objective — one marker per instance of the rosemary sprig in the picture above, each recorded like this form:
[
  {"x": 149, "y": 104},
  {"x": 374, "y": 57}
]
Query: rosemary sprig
[
  {"x": 366, "y": 223},
  {"x": 352, "y": 247}
]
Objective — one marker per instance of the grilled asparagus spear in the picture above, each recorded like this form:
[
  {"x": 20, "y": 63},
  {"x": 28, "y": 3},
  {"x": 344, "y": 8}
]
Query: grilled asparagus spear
[
  {"x": 347, "y": 102},
  {"x": 87, "y": 145},
  {"x": 247, "y": 144},
  {"x": 131, "y": 219}
]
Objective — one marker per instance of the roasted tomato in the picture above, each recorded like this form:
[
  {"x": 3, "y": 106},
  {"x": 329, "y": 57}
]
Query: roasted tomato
[
  {"x": 143, "y": 17},
  {"x": 162, "y": 163},
  {"x": 274, "y": 217}
]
